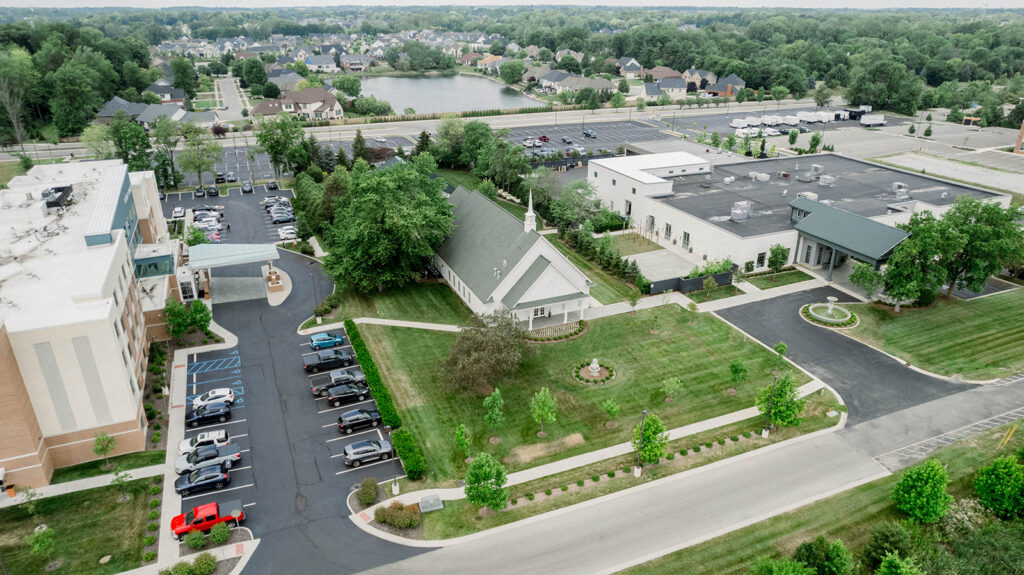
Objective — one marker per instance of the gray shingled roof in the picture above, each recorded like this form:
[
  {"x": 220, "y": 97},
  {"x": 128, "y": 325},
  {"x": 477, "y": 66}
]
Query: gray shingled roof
[
  {"x": 858, "y": 234},
  {"x": 117, "y": 104},
  {"x": 485, "y": 236},
  {"x": 154, "y": 111},
  {"x": 529, "y": 278}
]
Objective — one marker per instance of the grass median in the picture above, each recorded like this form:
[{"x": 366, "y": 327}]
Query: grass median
[
  {"x": 607, "y": 288},
  {"x": 427, "y": 302},
  {"x": 770, "y": 281},
  {"x": 127, "y": 461}
]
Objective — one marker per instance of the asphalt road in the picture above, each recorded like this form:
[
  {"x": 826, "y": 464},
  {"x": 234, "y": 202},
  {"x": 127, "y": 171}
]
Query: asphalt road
[
  {"x": 231, "y": 98},
  {"x": 872, "y": 384}
]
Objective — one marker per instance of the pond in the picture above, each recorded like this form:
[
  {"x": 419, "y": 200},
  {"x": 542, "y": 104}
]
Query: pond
[{"x": 434, "y": 94}]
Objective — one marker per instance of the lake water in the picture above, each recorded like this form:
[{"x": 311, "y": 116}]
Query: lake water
[{"x": 428, "y": 94}]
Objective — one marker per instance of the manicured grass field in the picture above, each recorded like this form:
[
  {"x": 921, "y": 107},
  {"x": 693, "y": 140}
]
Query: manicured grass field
[
  {"x": 849, "y": 516},
  {"x": 470, "y": 182},
  {"x": 429, "y": 302},
  {"x": 629, "y": 244},
  {"x": 609, "y": 288},
  {"x": 93, "y": 468},
  {"x": 9, "y": 170},
  {"x": 204, "y": 103},
  {"x": 780, "y": 279},
  {"x": 979, "y": 339},
  {"x": 87, "y": 525},
  {"x": 694, "y": 347},
  {"x": 720, "y": 292}
]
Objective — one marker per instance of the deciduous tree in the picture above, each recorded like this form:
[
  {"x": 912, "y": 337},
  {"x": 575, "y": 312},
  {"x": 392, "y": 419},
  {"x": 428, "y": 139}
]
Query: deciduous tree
[
  {"x": 511, "y": 72},
  {"x": 987, "y": 237},
  {"x": 486, "y": 478},
  {"x": 462, "y": 438},
  {"x": 778, "y": 255},
  {"x": 866, "y": 278},
  {"x": 485, "y": 352},
  {"x": 350, "y": 85},
  {"x": 650, "y": 442},
  {"x": 277, "y": 136},
  {"x": 786, "y": 405},
  {"x": 783, "y": 566},
  {"x": 200, "y": 153},
  {"x": 495, "y": 407},
  {"x": 176, "y": 316},
  {"x": 184, "y": 76},
  {"x": 131, "y": 143},
  {"x": 577, "y": 204},
  {"x": 543, "y": 407},
  {"x": 921, "y": 492},
  {"x": 1000, "y": 487},
  {"x": 102, "y": 446}
]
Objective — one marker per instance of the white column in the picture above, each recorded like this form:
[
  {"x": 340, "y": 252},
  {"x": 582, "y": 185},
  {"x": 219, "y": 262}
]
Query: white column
[
  {"x": 565, "y": 308},
  {"x": 531, "y": 321},
  {"x": 582, "y": 303}
]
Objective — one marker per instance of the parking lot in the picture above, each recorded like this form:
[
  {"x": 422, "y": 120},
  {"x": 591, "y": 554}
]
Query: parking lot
[
  {"x": 245, "y": 221},
  {"x": 610, "y": 135},
  {"x": 720, "y": 122}
]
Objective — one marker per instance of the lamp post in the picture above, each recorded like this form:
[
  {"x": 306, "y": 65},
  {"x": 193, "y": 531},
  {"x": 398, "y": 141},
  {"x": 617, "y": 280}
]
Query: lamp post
[
  {"x": 640, "y": 448},
  {"x": 768, "y": 414}
]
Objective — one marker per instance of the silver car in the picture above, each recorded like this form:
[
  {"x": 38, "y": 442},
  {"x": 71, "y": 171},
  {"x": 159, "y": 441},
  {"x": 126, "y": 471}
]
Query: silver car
[{"x": 361, "y": 451}]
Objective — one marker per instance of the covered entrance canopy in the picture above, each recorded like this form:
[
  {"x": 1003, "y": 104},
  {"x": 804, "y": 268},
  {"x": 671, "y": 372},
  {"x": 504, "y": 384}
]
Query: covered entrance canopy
[
  {"x": 196, "y": 281},
  {"x": 840, "y": 231},
  {"x": 206, "y": 256}
]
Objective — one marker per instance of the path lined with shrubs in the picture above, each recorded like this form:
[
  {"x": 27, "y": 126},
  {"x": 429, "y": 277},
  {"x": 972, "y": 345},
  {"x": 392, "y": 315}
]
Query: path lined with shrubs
[{"x": 84, "y": 484}]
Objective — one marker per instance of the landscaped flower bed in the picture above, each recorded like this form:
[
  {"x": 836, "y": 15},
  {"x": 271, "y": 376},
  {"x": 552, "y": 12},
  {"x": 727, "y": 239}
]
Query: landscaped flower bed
[{"x": 809, "y": 316}]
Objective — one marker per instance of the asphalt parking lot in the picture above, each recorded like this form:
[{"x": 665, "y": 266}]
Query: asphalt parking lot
[
  {"x": 610, "y": 135},
  {"x": 720, "y": 122},
  {"x": 249, "y": 222}
]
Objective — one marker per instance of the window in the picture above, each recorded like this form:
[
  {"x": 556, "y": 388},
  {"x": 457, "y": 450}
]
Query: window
[
  {"x": 117, "y": 328},
  {"x": 760, "y": 259},
  {"x": 634, "y": 191},
  {"x": 629, "y": 207},
  {"x": 611, "y": 205},
  {"x": 650, "y": 224},
  {"x": 668, "y": 231},
  {"x": 686, "y": 239},
  {"x": 807, "y": 254},
  {"x": 117, "y": 299},
  {"x": 613, "y": 181},
  {"x": 595, "y": 174},
  {"x": 538, "y": 312}
]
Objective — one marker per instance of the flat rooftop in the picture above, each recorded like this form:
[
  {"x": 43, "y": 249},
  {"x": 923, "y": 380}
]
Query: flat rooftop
[
  {"x": 636, "y": 167},
  {"x": 860, "y": 187}
]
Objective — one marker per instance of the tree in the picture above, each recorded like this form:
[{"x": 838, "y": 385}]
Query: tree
[
  {"x": 342, "y": 158},
  {"x": 779, "y": 92},
  {"x": 543, "y": 407},
  {"x": 360, "y": 151},
  {"x": 825, "y": 558},
  {"x": 577, "y": 204},
  {"x": 200, "y": 152},
  {"x": 74, "y": 98},
  {"x": 921, "y": 492},
  {"x": 495, "y": 407},
  {"x": 988, "y": 237},
  {"x": 892, "y": 564},
  {"x": 793, "y": 135},
  {"x": 42, "y": 543},
  {"x": 570, "y": 64},
  {"x": 650, "y": 441},
  {"x": 462, "y": 438},
  {"x": 928, "y": 130},
  {"x": 822, "y": 97},
  {"x": 511, "y": 72},
  {"x": 633, "y": 298},
  {"x": 887, "y": 537},
  {"x": 618, "y": 100},
  {"x": 422, "y": 143},
  {"x": 780, "y": 351},
  {"x": 120, "y": 479},
  {"x": 176, "y": 316},
  {"x": 450, "y": 136},
  {"x": 786, "y": 406},
  {"x": 738, "y": 372},
  {"x": 253, "y": 73},
  {"x": 611, "y": 407},
  {"x": 708, "y": 286},
  {"x": 199, "y": 316},
  {"x": 623, "y": 87},
  {"x": 12, "y": 100},
  {"x": 485, "y": 352},
  {"x": 1000, "y": 487},
  {"x": 271, "y": 90},
  {"x": 278, "y": 136},
  {"x": 778, "y": 255},
  {"x": 815, "y": 143},
  {"x": 486, "y": 478},
  {"x": 915, "y": 266},
  {"x": 741, "y": 96},
  {"x": 131, "y": 143},
  {"x": 166, "y": 135},
  {"x": 885, "y": 84},
  {"x": 195, "y": 236},
  {"x": 350, "y": 85},
  {"x": 102, "y": 446},
  {"x": 663, "y": 100},
  {"x": 391, "y": 223},
  {"x": 866, "y": 278},
  {"x": 783, "y": 566},
  {"x": 641, "y": 105},
  {"x": 335, "y": 190},
  {"x": 672, "y": 387},
  {"x": 911, "y": 129},
  {"x": 96, "y": 139},
  {"x": 184, "y": 76},
  {"x": 29, "y": 500}
]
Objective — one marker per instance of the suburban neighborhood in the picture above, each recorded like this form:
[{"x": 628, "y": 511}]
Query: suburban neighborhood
[{"x": 512, "y": 289}]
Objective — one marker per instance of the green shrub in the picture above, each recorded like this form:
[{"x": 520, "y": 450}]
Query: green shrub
[
  {"x": 220, "y": 533},
  {"x": 696, "y": 449},
  {"x": 1000, "y": 487},
  {"x": 149, "y": 556},
  {"x": 529, "y": 496},
  {"x": 204, "y": 564},
  {"x": 595, "y": 478},
  {"x": 746, "y": 434},
  {"x": 154, "y": 515},
  {"x": 513, "y": 501},
  {"x": 921, "y": 492},
  {"x": 683, "y": 451},
  {"x": 154, "y": 504},
  {"x": 824, "y": 557},
  {"x": 709, "y": 445},
  {"x": 547, "y": 492},
  {"x": 155, "y": 489},
  {"x": 380, "y": 393},
  {"x": 322, "y": 310},
  {"x": 721, "y": 441},
  {"x": 887, "y": 537},
  {"x": 579, "y": 482},
  {"x": 148, "y": 540},
  {"x": 611, "y": 474},
  {"x": 398, "y": 515},
  {"x": 367, "y": 492},
  {"x": 157, "y": 426},
  {"x": 565, "y": 488},
  {"x": 670, "y": 456},
  {"x": 734, "y": 438},
  {"x": 627, "y": 469},
  {"x": 409, "y": 451},
  {"x": 195, "y": 539},
  {"x": 181, "y": 568},
  {"x": 152, "y": 527}
]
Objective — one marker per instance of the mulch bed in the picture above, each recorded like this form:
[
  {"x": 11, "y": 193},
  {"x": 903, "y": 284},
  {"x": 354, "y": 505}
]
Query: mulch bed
[{"x": 237, "y": 536}]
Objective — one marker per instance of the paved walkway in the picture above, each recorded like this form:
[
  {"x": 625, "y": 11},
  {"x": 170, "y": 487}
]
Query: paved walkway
[
  {"x": 412, "y": 324},
  {"x": 83, "y": 484},
  {"x": 318, "y": 252}
]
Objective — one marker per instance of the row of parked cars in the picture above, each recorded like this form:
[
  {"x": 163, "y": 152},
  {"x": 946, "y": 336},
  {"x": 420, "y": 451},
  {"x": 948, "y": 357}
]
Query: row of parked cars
[
  {"x": 279, "y": 209},
  {"x": 204, "y": 461},
  {"x": 341, "y": 386}
]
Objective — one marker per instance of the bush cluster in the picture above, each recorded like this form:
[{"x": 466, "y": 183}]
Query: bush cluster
[
  {"x": 149, "y": 556},
  {"x": 380, "y": 393},
  {"x": 367, "y": 492},
  {"x": 204, "y": 564},
  {"x": 409, "y": 451},
  {"x": 220, "y": 533},
  {"x": 765, "y": 273},
  {"x": 195, "y": 539},
  {"x": 712, "y": 268},
  {"x": 806, "y": 311},
  {"x": 580, "y": 326},
  {"x": 610, "y": 259},
  {"x": 398, "y": 515}
]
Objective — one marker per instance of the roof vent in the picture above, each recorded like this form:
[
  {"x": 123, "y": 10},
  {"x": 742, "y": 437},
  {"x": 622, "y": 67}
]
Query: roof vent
[
  {"x": 827, "y": 181},
  {"x": 901, "y": 190},
  {"x": 817, "y": 169},
  {"x": 808, "y": 196},
  {"x": 740, "y": 211}
]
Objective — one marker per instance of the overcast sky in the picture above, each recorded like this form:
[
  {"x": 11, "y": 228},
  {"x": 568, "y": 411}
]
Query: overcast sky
[{"x": 858, "y": 4}]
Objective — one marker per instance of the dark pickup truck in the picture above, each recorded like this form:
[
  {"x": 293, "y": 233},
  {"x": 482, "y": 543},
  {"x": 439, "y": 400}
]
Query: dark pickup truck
[
  {"x": 327, "y": 359},
  {"x": 320, "y": 384}
]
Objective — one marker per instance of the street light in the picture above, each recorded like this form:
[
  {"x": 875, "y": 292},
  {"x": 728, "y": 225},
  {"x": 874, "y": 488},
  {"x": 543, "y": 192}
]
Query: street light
[
  {"x": 640, "y": 448},
  {"x": 771, "y": 398}
]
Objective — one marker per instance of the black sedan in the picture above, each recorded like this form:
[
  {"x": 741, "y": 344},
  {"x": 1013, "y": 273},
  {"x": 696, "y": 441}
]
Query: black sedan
[
  {"x": 212, "y": 477},
  {"x": 271, "y": 185},
  {"x": 342, "y": 394},
  {"x": 358, "y": 419},
  {"x": 211, "y": 412}
]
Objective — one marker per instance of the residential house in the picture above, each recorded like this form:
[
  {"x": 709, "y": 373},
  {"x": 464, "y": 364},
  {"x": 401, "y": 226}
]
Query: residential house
[
  {"x": 245, "y": 55},
  {"x": 532, "y": 51},
  {"x": 202, "y": 119},
  {"x": 285, "y": 79},
  {"x": 356, "y": 62},
  {"x": 727, "y": 86},
  {"x": 322, "y": 63},
  {"x": 301, "y": 53},
  {"x": 309, "y": 104},
  {"x": 512, "y": 49},
  {"x": 495, "y": 262},
  {"x": 661, "y": 72},
  {"x": 168, "y": 94},
  {"x": 534, "y": 73},
  {"x": 628, "y": 67},
  {"x": 469, "y": 58},
  {"x": 576, "y": 83},
  {"x": 118, "y": 104},
  {"x": 486, "y": 62},
  {"x": 674, "y": 87},
  {"x": 174, "y": 112},
  {"x": 551, "y": 80},
  {"x": 578, "y": 56},
  {"x": 650, "y": 91},
  {"x": 331, "y": 49},
  {"x": 699, "y": 78}
]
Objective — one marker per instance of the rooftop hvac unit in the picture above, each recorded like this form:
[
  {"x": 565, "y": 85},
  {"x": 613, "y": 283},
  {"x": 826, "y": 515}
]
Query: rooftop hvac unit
[
  {"x": 740, "y": 211},
  {"x": 752, "y": 175},
  {"x": 808, "y": 196},
  {"x": 762, "y": 177},
  {"x": 817, "y": 169},
  {"x": 729, "y": 179},
  {"x": 828, "y": 181},
  {"x": 901, "y": 190}
]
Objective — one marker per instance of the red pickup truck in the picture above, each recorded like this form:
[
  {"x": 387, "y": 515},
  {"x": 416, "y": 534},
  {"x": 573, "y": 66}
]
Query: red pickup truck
[{"x": 204, "y": 517}]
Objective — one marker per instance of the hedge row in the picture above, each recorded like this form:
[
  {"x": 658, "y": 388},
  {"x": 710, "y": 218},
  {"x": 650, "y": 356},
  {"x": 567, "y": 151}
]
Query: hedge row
[
  {"x": 380, "y": 393},
  {"x": 409, "y": 452}
]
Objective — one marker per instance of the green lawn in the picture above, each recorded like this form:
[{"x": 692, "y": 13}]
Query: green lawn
[
  {"x": 720, "y": 292},
  {"x": 780, "y": 279},
  {"x": 204, "y": 103},
  {"x": 92, "y": 468},
  {"x": 87, "y": 525},
  {"x": 9, "y": 170},
  {"x": 978, "y": 339},
  {"x": 629, "y": 244},
  {"x": 608, "y": 289},
  {"x": 459, "y": 178},
  {"x": 849, "y": 516},
  {"x": 430, "y": 302},
  {"x": 697, "y": 348}
]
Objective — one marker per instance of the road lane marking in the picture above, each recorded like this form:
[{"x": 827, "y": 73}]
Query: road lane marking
[{"x": 388, "y": 460}]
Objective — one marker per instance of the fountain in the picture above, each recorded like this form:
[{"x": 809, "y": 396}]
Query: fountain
[
  {"x": 593, "y": 373},
  {"x": 829, "y": 313},
  {"x": 595, "y": 368}
]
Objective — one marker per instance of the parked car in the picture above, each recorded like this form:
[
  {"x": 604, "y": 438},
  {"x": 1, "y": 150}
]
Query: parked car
[
  {"x": 198, "y": 213},
  {"x": 566, "y": 140},
  {"x": 579, "y": 149},
  {"x": 528, "y": 143},
  {"x": 219, "y": 412},
  {"x": 209, "y": 226},
  {"x": 358, "y": 419},
  {"x": 212, "y": 477},
  {"x": 200, "y": 192},
  {"x": 219, "y": 179},
  {"x": 590, "y": 133},
  {"x": 271, "y": 185},
  {"x": 212, "y": 437},
  {"x": 221, "y": 394},
  {"x": 325, "y": 340},
  {"x": 803, "y": 129},
  {"x": 212, "y": 192},
  {"x": 282, "y": 218},
  {"x": 204, "y": 517},
  {"x": 246, "y": 187},
  {"x": 320, "y": 384},
  {"x": 327, "y": 359},
  {"x": 362, "y": 451},
  {"x": 232, "y": 177},
  {"x": 341, "y": 394},
  {"x": 205, "y": 207},
  {"x": 207, "y": 456},
  {"x": 287, "y": 233},
  {"x": 544, "y": 139},
  {"x": 178, "y": 212},
  {"x": 380, "y": 140}
]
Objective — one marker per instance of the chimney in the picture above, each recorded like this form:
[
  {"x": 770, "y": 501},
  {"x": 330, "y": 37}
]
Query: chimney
[{"x": 530, "y": 221}]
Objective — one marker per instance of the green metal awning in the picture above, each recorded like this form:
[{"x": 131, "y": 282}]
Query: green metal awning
[
  {"x": 205, "y": 256},
  {"x": 854, "y": 234}
]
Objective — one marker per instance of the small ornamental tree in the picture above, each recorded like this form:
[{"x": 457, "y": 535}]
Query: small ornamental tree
[
  {"x": 785, "y": 404},
  {"x": 462, "y": 438},
  {"x": 543, "y": 407},
  {"x": 30, "y": 500},
  {"x": 121, "y": 479},
  {"x": 928, "y": 131},
  {"x": 866, "y": 278},
  {"x": 102, "y": 446},
  {"x": 199, "y": 316},
  {"x": 824, "y": 557},
  {"x": 633, "y": 298},
  {"x": 893, "y": 564},
  {"x": 672, "y": 387},
  {"x": 176, "y": 316},
  {"x": 651, "y": 441},
  {"x": 887, "y": 537},
  {"x": 195, "y": 236},
  {"x": 485, "y": 482},
  {"x": 738, "y": 372},
  {"x": 778, "y": 255},
  {"x": 495, "y": 407},
  {"x": 793, "y": 135},
  {"x": 42, "y": 543},
  {"x": 611, "y": 407},
  {"x": 1000, "y": 487},
  {"x": 921, "y": 493},
  {"x": 780, "y": 350},
  {"x": 708, "y": 285}
]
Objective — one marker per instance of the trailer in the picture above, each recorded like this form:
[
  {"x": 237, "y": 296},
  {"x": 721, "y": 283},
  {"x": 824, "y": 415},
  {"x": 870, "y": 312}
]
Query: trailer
[
  {"x": 869, "y": 120},
  {"x": 808, "y": 117},
  {"x": 753, "y": 120},
  {"x": 825, "y": 117},
  {"x": 791, "y": 120},
  {"x": 842, "y": 115},
  {"x": 738, "y": 123}
]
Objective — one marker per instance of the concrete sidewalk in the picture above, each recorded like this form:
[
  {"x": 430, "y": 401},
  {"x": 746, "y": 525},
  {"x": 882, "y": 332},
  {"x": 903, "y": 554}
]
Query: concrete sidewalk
[
  {"x": 750, "y": 296},
  {"x": 83, "y": 484},
  {"x": 412, "y": 324}
]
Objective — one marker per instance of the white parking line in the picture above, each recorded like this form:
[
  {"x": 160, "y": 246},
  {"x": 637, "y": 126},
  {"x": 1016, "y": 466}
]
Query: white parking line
[
  {"x": 379, "y": 436},
  {"x": 233, "y": 469},
  {"x": 201, "y": 427},
  {"x": 388, "y": 460},
  {"x": 248, "y": 504},
  {"x": 218, "y": 491},
  {"x": 343, "y": 406}
]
